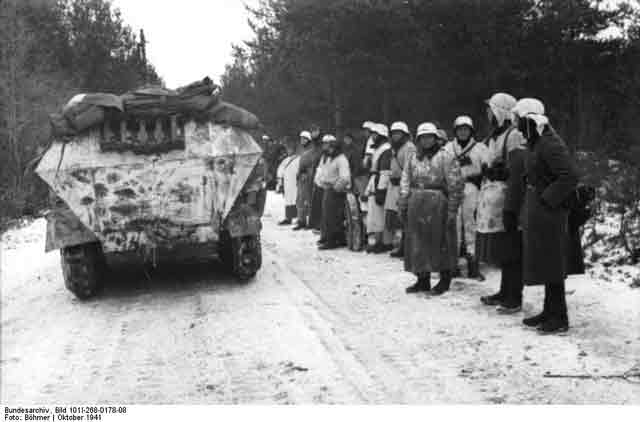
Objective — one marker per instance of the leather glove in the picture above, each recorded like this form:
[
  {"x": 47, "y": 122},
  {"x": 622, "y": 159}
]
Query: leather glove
[
  {"x": 381, "y": 194},
  {"x": 510, "y": 221},
  {"x": 364, "y": 198}
]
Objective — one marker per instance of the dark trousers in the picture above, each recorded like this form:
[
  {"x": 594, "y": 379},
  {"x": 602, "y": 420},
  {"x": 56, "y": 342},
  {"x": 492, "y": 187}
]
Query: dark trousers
[
  {"x": 555, "y": 301},
  {"x": 332, "y": 227},
  {"x": 511, "y": 284},
  {"x": 315, "y": 218}
]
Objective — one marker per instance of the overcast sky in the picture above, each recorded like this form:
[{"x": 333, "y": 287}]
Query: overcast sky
[{"x": 188, "y": 39}]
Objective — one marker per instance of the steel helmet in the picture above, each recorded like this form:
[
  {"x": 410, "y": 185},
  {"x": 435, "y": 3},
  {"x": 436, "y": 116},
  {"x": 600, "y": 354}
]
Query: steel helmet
[
  {"x": 305, "y": 134},
  {"x": 463, "y": 121},
  {"x": 328, "y": 138},
  {"x": 501, "y": 105},
  {"x": 381, "y": 129},
  {"x": 400, "y": 127},
  {"x": 528, "y": 106},
  {"x": 533, "y": 109},
  {"x": 427, "y": 129},
  {"x": 368, "y": 125}
]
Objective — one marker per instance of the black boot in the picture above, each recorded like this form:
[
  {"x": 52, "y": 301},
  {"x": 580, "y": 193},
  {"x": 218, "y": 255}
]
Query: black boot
[
  {"x": 422, "y": 285},
  {"x": 443, "y": 285},
  {"x": 512, "y": 301},
  {"x": 299, "y": 226},
  {"x": 473, "y": 268},
  {"x": 557, "y": 320},
  {"x": 497, "y": 298},
  {"x": 538, "y": 319}
]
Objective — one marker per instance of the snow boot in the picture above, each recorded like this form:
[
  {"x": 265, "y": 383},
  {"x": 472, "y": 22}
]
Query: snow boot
[
  {"x": 443, "y": 285},
  {"x": 422, "y": 285}
]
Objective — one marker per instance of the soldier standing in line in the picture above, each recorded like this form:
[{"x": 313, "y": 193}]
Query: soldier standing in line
[
  {"x": 551, "y": 178},
  {"x": 430, "y": 193},
  {"x": 402, "y": 147},
  {"x": 470, "y": 155},
  {"x": 379, "y": 238}
]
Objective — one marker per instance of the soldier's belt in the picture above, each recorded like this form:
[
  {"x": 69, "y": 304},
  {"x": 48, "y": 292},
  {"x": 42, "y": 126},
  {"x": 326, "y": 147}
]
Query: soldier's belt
[{"x": 426, "y": 186}]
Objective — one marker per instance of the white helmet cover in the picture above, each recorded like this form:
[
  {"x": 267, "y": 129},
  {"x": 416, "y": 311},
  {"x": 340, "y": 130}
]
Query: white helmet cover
[
  {"x": 306, "y": 135},
  {"x": 381, "y": 129},
  {"x": 533, "y": 109},
  {"x": 501, "y": 105},
  {"x": 463, "y": 121},
  {"x": 368, "y": 125},
  {"x": 427, "y": 129},
  {"x": 328, "y": 138},
  {"x": 400, "y": 127}
]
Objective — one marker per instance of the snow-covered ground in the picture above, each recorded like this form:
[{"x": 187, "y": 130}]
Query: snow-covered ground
[{"x": 314, "y": 327}]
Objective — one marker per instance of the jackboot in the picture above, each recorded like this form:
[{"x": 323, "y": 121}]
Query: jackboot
[
  {"x": 497, "y": 298},
  {"x": 473, "y": 268},
  {"x": 557, "y": 320},
  {"x": 512, "y": 300},
  {"x": 538, "y": 319},
  {"x": 422, "y": 285},
  {"x": 444, "y": 283}
]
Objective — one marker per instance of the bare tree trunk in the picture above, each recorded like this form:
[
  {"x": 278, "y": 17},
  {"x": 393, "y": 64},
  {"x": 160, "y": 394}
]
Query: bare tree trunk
[
  {"x": 337, "y": 113},
  {"x": 12, "y": 61}
]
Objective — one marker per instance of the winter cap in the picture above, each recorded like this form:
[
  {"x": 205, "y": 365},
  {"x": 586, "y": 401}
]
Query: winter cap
[
  {"x": 305, "y": 134},
  {"x": 328, "y": 138},
  {"x": 463, "y": 121},
  {"x": 380, "y": 129},
  {"x": 501, "y": 105},
  {"x": 368, "y": 125},
  {"x": 442, "y": 134},
  {"x": 532, "y": 108},
  {"x": 427, "y": 129},
  {"x": 400, "y": 127},
  {"x": 265, "y": 137}
]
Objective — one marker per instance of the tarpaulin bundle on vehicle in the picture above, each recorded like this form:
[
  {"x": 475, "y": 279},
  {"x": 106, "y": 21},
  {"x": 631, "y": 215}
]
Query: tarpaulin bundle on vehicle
[{"x": 200, "y": 99}]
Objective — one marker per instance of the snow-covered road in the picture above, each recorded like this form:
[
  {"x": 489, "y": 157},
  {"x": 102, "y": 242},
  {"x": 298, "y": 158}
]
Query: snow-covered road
[{"x": 313, "y": 327}]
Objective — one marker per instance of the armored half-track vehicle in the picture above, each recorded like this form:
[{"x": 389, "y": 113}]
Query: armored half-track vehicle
[{"x": 153, "y": 183}]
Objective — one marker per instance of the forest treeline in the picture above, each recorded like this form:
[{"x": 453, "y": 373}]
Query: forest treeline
[
  {"x": 51, "y": 50},
  {"x": 338, "y": 63}
]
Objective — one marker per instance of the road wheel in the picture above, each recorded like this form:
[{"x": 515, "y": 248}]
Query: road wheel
[
  {"x": 247, "y": 256},
  {"x": 354, "y": 226},
  {"x": 83, "y": 267}
]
